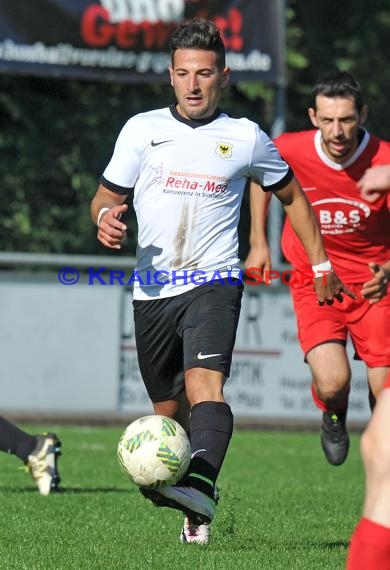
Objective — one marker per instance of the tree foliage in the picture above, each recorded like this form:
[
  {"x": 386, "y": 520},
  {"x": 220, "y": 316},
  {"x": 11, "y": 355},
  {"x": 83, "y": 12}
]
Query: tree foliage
[
  {"x": 58, "y": 135},
  {"x": 349, "y": 35}
]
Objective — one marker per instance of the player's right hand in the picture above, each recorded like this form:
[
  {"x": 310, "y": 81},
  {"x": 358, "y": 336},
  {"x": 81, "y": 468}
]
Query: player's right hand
[
  {"x": 329, "y": 287},
  {"x": 111, "y": 231}
]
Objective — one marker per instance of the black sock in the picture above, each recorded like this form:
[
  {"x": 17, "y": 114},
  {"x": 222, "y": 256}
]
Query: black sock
[
  {"x": 211, "y": 427},
  {"x": 16, "y": 441}
]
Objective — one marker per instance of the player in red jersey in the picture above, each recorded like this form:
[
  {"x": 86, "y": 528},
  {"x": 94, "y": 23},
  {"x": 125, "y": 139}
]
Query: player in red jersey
[
  {"x": 370, "y": 542},
  {"x": 329, "y": 162}
]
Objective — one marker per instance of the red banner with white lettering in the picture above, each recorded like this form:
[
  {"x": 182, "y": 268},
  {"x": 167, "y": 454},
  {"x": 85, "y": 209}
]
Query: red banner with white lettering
[{"x": 127, "y": 40}]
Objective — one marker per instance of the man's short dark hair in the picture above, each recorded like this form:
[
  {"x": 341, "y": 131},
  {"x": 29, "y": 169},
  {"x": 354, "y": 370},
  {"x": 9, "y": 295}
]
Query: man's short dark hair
[
  {"x": 338, "y": 84},
  {"x": 201, "y": 34}
]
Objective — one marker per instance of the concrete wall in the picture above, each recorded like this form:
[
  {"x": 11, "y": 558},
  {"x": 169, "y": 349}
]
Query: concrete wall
[{"x": 69, "y": 350}]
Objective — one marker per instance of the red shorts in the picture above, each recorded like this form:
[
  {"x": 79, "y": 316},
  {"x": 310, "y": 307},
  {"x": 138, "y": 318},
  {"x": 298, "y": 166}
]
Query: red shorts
[
  {"x": 368, "y": 325},
  {"x": 387, "y": 381}
]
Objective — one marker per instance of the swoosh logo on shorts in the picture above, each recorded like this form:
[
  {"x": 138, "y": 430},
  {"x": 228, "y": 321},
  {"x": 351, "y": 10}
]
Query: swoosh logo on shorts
[
  {"x": 202, "y": 356},
  {"x": 157, "y": 143}
]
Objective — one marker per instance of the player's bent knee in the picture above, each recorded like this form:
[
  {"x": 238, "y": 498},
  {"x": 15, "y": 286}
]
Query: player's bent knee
[
  {"x": 204, "y": 385},
  {"x": 332, "y": 393}
]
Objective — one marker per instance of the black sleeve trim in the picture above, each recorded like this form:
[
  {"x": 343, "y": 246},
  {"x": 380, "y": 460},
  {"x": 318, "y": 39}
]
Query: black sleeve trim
[
  {"x": 122, "y": 190},
  {"x": 281, "y": 184}
]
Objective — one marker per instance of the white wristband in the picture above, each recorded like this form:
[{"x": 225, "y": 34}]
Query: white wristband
[
  {"x": 322, "y": 269},
  {"x": 101, "y": 212}
]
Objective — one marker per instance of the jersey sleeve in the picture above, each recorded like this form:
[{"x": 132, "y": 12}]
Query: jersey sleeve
[
  {"x": 268, "y": 167},
  {"x": 282, "y": 144},
  {"x": 122, "y": 171}
]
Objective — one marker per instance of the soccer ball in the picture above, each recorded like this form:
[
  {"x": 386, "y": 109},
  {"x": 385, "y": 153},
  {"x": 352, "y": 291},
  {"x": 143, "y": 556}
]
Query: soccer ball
[{"x": 154, "y": 451}]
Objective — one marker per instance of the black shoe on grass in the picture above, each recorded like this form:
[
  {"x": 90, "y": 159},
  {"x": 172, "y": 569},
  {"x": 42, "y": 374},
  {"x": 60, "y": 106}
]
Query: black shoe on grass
[{"x": 334, "y": 437}]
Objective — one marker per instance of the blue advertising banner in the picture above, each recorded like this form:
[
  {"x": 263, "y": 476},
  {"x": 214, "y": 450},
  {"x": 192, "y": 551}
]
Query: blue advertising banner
[{"x": 127, "y": 40}]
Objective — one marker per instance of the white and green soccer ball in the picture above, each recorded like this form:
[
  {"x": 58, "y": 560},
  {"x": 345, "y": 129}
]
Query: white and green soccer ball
[{"x": 154, "y": 451}]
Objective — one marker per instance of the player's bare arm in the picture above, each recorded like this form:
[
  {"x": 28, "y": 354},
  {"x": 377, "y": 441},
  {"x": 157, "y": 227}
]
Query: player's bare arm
[
  {"x": 376, "y": 288},
  {"x": 374, "y": 182},
  {"x": 107, "y": 208},
  {"x": 259, "y": 255},
  {"x": 304, "y": 223}
]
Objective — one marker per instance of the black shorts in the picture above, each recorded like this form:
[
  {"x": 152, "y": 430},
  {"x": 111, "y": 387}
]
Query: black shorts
[{"x": 196, "y": 329}]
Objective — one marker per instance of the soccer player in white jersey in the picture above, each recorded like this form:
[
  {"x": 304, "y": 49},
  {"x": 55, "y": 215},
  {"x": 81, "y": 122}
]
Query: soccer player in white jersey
[{"x": 187, "y": 166}]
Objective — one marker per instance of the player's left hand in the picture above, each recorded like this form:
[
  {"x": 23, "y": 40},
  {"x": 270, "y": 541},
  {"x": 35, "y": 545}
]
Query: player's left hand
[
  {"x": 329, "y": 287},
  {"x": 376, "y": 288}
]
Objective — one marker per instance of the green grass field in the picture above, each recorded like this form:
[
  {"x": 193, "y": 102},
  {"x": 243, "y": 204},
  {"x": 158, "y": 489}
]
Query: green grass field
[{"x": 282, "y": 507}]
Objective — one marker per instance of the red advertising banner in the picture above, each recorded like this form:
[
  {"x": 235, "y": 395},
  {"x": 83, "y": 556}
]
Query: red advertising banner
[{"x": 127, "y": 40}]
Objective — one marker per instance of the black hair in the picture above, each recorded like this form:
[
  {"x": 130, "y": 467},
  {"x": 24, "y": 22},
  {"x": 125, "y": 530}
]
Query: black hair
[
  {"x": 338, "y": 84},
  {"x": 201, "y": 34}
]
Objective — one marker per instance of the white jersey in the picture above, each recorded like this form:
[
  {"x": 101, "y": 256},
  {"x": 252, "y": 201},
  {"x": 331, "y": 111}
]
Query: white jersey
[{"x": 188, "y": 179}]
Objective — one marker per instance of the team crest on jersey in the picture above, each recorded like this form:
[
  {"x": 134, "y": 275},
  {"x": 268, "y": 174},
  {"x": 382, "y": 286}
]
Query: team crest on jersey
[{"x": 224, "y": 150}]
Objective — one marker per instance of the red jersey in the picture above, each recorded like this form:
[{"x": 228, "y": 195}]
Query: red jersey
[{"x": 354, "y": 231}]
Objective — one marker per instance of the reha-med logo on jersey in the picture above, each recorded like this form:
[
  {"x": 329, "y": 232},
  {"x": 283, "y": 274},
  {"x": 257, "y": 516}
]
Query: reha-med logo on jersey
[{"x": 340, "y": 216}]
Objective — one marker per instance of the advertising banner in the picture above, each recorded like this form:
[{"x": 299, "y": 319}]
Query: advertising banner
[{"x": 127, "y": 40}]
